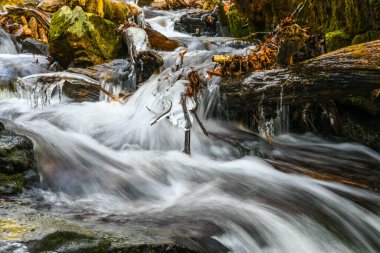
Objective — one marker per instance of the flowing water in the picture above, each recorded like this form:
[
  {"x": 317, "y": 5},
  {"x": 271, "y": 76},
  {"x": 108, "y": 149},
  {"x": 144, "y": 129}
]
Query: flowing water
[{"x": 105, "y": 166}]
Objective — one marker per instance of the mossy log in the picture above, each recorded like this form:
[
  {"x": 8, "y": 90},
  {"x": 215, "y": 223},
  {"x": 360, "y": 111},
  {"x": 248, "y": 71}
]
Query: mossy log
[{"x": 350, "y": 72}]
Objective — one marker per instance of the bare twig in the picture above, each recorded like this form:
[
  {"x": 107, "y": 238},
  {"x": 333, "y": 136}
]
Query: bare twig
[
  {"x": 186, "y": 149},
  {"x": 194, "y": 112},
  {"x": 166, "y": 113}
]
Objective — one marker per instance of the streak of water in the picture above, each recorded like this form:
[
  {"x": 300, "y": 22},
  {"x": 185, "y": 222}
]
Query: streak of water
[{"x": 105, "y": 160}]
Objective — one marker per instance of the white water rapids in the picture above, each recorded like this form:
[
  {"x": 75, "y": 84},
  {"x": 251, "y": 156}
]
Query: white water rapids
[{"x": 105, "y": 163}]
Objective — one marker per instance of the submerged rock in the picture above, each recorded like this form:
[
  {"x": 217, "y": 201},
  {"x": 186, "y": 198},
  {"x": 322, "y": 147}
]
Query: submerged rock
[
  {"x": 24, "y": 229},
  {"x": 147, "y": 63},
  {"x": 18, "y": 168},
  {"x": 30, "y": 45},
  {"x": 79, "y": 39}
]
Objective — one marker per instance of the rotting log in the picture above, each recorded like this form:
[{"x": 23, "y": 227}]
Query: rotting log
[{"x": 348, "y": 72}]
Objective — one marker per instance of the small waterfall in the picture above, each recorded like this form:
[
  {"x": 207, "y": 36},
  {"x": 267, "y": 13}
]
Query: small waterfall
[
  {"x": 38, "y": 88},
  {"x": 165, "y": 23},
  {"x": 7, "y": 45}
]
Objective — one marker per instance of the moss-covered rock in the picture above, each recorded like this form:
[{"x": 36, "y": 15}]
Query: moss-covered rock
[
  {"x": 236, "y": 23},
  {"x": 25, "y": 229},
  {"x": 364, "y": 37},
  {"x": 81, "y": 39},
  {"x": 337, "y": 39},
  {"x": 18, "y": 168},
  {"x": 353, "y": 17}
]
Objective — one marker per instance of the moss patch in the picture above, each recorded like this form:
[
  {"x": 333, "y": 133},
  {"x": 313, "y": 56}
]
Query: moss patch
[
  {"x": 82, "y": 39},
  {"x": 11, "y": 184},
  {"x": 364, "y": 37},
  {"x": 236, "y": 24},
  {"x": 10, "y": 230},
  {"x": 337, "y": 39}
]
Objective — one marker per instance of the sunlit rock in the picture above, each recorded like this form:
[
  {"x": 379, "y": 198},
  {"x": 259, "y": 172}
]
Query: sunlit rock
[{"x": 78, "y": 38}]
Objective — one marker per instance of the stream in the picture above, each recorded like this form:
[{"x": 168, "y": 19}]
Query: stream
[{"x": 105, "y": 167}]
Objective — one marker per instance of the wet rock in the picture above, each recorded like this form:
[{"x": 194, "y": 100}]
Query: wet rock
[
  {"x": 135, "y": 39},
  {"x": 18, "y": 167},
  {"x": 159, "y": 41},
  {"x": 349, "y": 78},
  {"x": 50, "y": 5},
  {"x": 115, "y": 74},
  {"x": 30, "y": 45},
  {"x": 198, "y": 23},
  {"x": 148, "y": 62},
  {"x": 80, "y": 92},
  {"x": 24, "y": 229},
  {"x": 79, "y": 39}
]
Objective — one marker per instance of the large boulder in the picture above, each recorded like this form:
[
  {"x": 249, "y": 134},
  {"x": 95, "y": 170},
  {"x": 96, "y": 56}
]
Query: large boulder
[
  {"x": 18, "y": 167},
  {"x": 82, "y": 39}
]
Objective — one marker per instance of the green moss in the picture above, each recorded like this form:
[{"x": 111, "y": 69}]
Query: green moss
[
  {"x": 337, "y": 39},
  {"x": 364, "y": 37},
  {"x": 351, "y": 16},
  {"x": 11, "y": 184},
  {"x": 10, "y": 230},
  {"x": 236, "y": 24},
  {"x": 82, "y": 38},
  {"x": 67, "y": 241}
]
